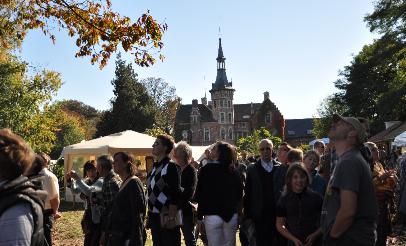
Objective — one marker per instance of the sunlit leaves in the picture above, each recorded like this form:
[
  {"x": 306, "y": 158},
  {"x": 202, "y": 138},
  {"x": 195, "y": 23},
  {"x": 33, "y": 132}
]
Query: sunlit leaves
[
  {"x": 97, "y": 29},
  {"x": 24, "y": 102}
]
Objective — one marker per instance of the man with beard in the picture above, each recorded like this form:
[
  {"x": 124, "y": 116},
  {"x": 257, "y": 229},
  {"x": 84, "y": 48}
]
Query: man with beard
[{"x": 350, "y": 210}]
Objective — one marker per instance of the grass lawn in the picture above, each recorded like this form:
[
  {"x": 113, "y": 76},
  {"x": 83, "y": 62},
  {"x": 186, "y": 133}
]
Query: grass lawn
[{"x": 68, "y": 232}]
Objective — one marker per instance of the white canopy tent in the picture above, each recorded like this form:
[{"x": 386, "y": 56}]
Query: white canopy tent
[
  {"x": 138, "y": 144},
  {"x": 400, "y": 140},
  {"x": 324, "y": 140}
]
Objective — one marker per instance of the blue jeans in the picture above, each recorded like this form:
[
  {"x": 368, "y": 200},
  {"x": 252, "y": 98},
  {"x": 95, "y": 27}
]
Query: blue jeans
[{"x": 188, "y": 230}]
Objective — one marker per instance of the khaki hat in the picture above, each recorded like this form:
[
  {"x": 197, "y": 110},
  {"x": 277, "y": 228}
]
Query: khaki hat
[{"x": 354, "y": 122}]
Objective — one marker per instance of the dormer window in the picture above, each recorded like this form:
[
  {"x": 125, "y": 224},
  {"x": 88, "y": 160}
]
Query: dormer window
[{"x": 290, "y": 133}]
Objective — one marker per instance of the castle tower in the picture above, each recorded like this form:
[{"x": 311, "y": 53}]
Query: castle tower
[{"x": 222, "y": 95}]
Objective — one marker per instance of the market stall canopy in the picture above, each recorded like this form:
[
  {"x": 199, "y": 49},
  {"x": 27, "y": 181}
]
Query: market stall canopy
[
  {"x": 131, "y": 141},
  {"x": 324, "y": 140},
  {"x": 400, "y": 140}
]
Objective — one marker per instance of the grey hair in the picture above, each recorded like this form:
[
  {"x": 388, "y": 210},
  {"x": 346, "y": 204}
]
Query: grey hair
[
  {"x": 267, "y": 141},
  {"x": 185, "y": 148}
]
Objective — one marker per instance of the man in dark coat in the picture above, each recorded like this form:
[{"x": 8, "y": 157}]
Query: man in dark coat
[{"x": 263, "y": 188}]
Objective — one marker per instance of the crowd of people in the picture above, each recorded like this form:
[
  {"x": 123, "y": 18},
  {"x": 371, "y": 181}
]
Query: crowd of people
[{"x": 335, "y": 194}]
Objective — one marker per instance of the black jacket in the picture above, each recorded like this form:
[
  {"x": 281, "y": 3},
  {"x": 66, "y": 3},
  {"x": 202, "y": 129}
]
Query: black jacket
[
  {"x": 254, "y": 193},
  {"x": 219, "y": 191}
]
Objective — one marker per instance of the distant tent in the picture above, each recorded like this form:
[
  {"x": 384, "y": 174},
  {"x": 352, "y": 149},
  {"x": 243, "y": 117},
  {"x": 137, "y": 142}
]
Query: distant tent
[
  {"x": 324, "y": 140},
  {"x": 400, "y": 140},
  {"x": 138, "y": 144}
]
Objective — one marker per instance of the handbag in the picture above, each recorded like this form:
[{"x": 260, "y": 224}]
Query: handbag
[{"x": 169, "y": 222}]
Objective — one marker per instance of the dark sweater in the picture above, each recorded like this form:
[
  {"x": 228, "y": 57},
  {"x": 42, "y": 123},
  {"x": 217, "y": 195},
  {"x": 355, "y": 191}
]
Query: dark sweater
[
  {"x": 219, "y": 191},
  {"x": 171, "y": 189},
  {"x": 188, "y": 184},
  {"x": 127, "y": 214},
  {"x": 302, "y": 212}
]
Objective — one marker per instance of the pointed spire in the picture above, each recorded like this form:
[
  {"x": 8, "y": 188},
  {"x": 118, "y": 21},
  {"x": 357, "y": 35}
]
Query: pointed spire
[
  {"x": 221, "y": 78},
  {"x": 220, "y": 56}
]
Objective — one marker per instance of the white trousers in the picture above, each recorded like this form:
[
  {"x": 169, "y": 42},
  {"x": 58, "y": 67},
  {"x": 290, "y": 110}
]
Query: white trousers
[{"x": 219, "y": 232}]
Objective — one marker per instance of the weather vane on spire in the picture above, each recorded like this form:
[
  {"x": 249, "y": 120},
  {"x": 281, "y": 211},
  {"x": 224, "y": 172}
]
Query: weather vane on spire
[{"x": 219, "y": 32}]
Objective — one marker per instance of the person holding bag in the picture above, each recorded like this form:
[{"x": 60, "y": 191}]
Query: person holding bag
[
  {"x": 126, "y": 221},
  {"x": 164, "y": 195}
]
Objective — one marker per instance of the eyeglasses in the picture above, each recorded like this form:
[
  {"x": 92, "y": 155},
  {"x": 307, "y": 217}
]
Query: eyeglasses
[{"x": 263, "y": 149}]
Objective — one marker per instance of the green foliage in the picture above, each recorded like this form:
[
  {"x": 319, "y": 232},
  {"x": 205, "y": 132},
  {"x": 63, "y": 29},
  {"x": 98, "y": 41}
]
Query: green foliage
[
  {"x": 59, "y": 171},
  {"x": 166, "y": 100},
  {"x": 374, "y": 85},
  {"x": 250, "y": 144},
  {"x": 155, "y": 131},
  {"x": 24, "y": 101},
  {"x": 132, "y": 107},
  {"x": 69, "y": 131},
  {"x": 304, "y": 148},
  {"x": 388, "y": 17},
  {"x": 322, "y": 122}
]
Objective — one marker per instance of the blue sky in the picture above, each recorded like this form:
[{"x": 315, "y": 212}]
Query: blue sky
[{"x": 292, "y": 48}]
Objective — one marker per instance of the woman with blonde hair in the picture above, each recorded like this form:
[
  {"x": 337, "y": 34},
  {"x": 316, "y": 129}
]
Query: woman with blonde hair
[{"x": 183, "y": 157}]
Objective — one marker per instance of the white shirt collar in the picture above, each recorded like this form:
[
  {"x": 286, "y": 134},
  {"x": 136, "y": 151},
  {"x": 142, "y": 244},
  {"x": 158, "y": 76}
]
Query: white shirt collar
[{"x": 268, "y": 166}]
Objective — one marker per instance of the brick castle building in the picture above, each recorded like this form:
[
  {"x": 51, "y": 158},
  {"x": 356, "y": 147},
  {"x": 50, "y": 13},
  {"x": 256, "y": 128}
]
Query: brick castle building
[{"x": 220, "y": 119}]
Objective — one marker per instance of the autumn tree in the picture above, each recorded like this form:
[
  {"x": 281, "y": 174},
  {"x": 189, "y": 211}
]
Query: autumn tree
[
  {"x": 24, "y": 101},
  {"x": 132, "y": 107},
  {"x": 99, "y": 31},
  {"x": 86, "y": 115},
  {"x": 69, "y": 130},
  {"x": 166, "y": 100}
]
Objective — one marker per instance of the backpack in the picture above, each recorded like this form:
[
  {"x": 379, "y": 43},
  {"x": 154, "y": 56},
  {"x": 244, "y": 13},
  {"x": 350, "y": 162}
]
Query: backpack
[{"x": 22, "y": 190}]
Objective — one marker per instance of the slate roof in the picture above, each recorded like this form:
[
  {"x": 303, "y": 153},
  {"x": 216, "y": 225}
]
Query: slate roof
[
  {"x": 244, "y": 109},
  {"x": 299, "y": 127},
  {"x": 390, "y": 133},
  {"x": 183, "y": 113}
]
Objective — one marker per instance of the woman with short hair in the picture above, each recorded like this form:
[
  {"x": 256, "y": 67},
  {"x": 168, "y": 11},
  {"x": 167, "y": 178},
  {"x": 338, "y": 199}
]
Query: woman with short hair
[{"x": 183, "y": 156}]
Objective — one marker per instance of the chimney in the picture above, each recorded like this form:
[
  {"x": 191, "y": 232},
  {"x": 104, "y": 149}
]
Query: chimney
[
  {"x": 252, "y": 108},
  {"x": 266, "y": 95},
  {"x": 389, "y": 124},
  {"x": 195, "y": 102}
]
